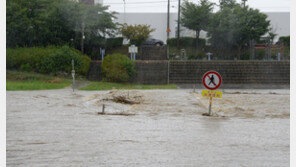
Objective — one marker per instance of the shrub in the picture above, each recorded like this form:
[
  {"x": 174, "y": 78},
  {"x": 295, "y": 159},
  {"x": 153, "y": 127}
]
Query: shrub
[
  {"x": 114, "y": 42},
  {"x": 26, "y": 67},
  {"x": 16, "y": 57},
  {"x": 259, "y": 54},
  {"x": 285, "y": 40},
  {"x": 60, "y": 61},
  {"x": 49, "y": 59},
  {"x": 187, "y": 41},
  {"x": 117, "y": 68}
]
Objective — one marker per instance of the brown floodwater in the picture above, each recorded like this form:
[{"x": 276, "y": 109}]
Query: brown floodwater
[{"x": 164, "y": 128}]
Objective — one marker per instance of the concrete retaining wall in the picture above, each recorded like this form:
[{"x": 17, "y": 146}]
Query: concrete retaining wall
[
  {"x": 148, "y": 72},
  {"x": 153, "y": 53},
  {"x": 191, "y": 72}
]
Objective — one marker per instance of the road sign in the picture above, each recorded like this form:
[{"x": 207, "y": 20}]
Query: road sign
[
  {"x": 212, "y": 93},
  {"x": 212, "y": 80},
  {"x": 168, "y": 30},
  {"x": 133, "y": 49}
]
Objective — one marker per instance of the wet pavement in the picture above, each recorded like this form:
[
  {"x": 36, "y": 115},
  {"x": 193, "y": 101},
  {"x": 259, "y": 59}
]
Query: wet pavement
[{"x": 166, "y": 128}]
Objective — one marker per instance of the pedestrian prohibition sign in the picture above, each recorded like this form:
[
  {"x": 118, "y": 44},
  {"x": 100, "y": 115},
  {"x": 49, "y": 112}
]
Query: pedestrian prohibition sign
[{"x": 212, "y": 80}]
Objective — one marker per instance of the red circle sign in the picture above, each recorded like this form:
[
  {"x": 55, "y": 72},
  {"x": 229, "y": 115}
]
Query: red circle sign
[{"x": 212, "y": 80}]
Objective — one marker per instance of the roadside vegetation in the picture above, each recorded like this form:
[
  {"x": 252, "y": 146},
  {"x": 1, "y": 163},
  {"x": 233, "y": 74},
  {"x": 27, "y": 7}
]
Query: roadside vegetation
[
  {"x": 117, "y": 68},
  {"x": 109, "y": 86},
  {"x": 45, "y": 36},
  {"x": 47, "y": 60},
  {"x": 16, "y": 80}
]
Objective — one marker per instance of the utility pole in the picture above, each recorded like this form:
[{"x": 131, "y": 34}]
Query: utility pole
[
  {"x": 168, "y": 29},
  {"x": 178, "y": 33},
  {"x": 124, "y": 17},
  {"x": 244, "y": 2},
  {"x": 251, "y": 41},
  {"x": 168, "y": 21},
  {"x": 82, "y": 36}
]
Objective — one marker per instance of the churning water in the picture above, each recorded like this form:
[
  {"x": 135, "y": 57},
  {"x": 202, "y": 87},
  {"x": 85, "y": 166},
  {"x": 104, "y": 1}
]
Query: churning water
[{"x": 166, "y": 128}]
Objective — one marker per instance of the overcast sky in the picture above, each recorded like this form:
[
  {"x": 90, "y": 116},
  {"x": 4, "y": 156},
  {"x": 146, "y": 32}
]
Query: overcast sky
[{"x": 161, "y": 5}]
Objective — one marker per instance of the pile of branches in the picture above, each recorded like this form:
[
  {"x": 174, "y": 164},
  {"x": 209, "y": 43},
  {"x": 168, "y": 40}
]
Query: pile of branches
[{"x": 123, "y": 99}]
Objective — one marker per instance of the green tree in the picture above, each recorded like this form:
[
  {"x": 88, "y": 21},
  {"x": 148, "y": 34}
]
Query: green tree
[
  {"x": 137, "y": 34},
  {"x": 196, "y": 17},
  {"x": 227, "y": 3},
  {"x": 26, "y": 22},
  {"x": 235, "y": 27},
  {"x": 57, "y": 22},
  {"x": 285, "y": 40},
  {"x": 93, "y": 23}
]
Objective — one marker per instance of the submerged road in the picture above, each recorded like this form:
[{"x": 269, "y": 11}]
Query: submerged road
[{"x": 59, "y": 128}]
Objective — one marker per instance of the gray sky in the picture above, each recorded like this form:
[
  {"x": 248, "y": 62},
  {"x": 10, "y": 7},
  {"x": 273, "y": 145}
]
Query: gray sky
[{"x": 161, "y": 5}]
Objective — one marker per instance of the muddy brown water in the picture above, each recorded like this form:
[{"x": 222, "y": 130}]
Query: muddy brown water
[{"x": 59, "y": 128}]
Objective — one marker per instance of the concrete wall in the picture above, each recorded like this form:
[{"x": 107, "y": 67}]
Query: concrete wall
[
  {"x": 148, "y": 72},
  {"x": 191, "y": 72},
  {"x": 151, "y": 72},
  {"x": 232, "y": 72}
]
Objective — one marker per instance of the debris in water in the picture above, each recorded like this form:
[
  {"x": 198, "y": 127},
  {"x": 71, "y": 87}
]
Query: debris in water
[
  {"x": 124, "y": 99},
  {"x": 206, "y": 114},
  {"x": 39, "y": 96},
  {"x": 120, "y": 114}
]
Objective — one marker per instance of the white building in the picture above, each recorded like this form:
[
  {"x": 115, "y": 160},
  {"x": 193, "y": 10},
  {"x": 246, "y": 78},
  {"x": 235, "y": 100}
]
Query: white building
[
  {"x": 98, "y": 1},
  {"x": 280, "y": 22}
]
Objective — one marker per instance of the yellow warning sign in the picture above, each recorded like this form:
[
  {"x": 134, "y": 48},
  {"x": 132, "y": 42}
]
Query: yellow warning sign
[
  {"x": 168, "y": 30},
  {"x": 211, "y": 93}
]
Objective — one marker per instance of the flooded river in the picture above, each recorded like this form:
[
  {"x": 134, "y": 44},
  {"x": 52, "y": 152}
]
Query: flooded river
[{"x": 163, "y": 128}]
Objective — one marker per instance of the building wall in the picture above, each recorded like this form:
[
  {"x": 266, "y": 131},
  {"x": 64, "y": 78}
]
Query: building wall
[
  {"x": 98, "y": 1},
  {"x": 279, "y": 21}
]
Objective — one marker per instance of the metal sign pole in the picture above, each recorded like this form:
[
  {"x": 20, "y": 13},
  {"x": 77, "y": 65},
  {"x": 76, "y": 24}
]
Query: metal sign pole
[
  {"x": 73, "y": 83},
  {"x": 73, "y": 74},
  {"x": 210, "y": 105}
]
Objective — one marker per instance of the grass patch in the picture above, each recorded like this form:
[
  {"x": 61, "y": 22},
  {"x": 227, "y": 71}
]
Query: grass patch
[
  {"x": 34, "y": 85},
  {"x": 16, "y": 80},
  {"x": 109, "y": 86}
]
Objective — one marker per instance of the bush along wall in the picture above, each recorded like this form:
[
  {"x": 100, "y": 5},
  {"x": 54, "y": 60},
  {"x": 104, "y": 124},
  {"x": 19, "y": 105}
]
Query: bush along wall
[
  {"x": 48, "y": 60},
  {"x": 114, "y": 42},
  {"x": 186, "y": 42},
  {"x": 117, "y": 68}
]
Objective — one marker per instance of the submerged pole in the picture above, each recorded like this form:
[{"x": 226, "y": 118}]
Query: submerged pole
[{"x": 210, "y": 105}]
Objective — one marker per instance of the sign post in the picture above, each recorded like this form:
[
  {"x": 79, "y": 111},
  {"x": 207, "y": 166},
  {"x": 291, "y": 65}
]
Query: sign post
[
  {"x": 211, "y": 80},
  {"x": 73, "y": 74},
  {"x": 210, "y": 105},
  {"x": 209, "y": 56},
  {"x": 133, "y": 50}
]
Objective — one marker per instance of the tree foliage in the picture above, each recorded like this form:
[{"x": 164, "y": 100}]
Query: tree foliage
[
  {"x": 196, "y": 17},
  {"x": 285, "y": 40},
  {"x": 137, "y": 34},
  {"x": 57, "y": 22},
  {"x": 234, "y": 27}
]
